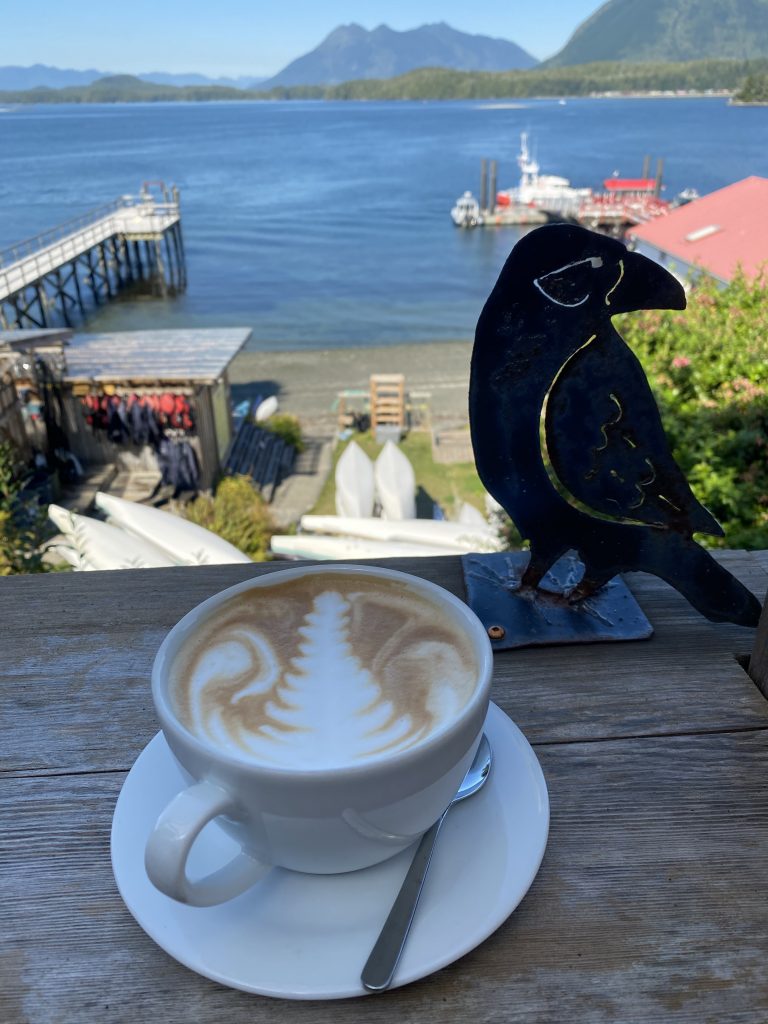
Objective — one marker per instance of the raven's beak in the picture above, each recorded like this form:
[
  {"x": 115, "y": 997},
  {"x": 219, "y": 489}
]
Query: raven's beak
[{"x": 644, "y": 284}]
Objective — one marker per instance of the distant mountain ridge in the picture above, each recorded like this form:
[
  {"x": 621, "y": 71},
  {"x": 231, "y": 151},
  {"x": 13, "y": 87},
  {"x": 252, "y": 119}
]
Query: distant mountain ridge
[
  {"x": 619, "y": 31},
  {"x": 15, "y": 78},
  {"x": 352, "y": 52},
  {"x": 669, "y": 30}
]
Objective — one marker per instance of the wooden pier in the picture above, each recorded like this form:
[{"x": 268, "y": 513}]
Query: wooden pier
[{"x": 53, "y": 278}]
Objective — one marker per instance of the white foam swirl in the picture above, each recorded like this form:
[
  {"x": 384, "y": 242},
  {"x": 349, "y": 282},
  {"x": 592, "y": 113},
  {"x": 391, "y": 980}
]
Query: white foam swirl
[{"x": 326, "y": 708}]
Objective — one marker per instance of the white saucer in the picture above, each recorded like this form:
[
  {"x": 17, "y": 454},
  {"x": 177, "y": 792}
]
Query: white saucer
[{"x": 301, "y": 936}]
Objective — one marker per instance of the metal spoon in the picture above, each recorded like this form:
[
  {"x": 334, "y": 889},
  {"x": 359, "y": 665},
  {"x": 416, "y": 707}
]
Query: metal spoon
[{"x": 385, "y": 955}]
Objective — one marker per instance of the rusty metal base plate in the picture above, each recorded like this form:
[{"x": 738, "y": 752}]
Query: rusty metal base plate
[{"x": 518, "y": 616}]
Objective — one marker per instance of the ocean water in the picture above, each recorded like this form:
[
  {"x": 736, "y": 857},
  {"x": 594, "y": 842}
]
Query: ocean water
[{"x": 327, "y": 224}]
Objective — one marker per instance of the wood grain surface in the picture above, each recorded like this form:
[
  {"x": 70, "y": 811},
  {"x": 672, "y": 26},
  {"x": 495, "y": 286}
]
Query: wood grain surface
[
  {"x": 758, "y": 660},
  {"x": 649, "y": 906}
]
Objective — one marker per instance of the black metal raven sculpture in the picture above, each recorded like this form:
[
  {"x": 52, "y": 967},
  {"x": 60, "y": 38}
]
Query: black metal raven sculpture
[{"x": 545, "y": 342}]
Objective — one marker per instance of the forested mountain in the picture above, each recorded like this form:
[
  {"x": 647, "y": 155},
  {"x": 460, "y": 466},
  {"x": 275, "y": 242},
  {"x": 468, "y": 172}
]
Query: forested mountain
[
  {"x": 669, "y": 30},
  {"x": 436, "y": 84},
  {"x": 352, "y": 51}
]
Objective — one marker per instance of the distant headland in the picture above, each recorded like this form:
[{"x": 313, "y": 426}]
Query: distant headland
[{"x": 602, "y": 78}]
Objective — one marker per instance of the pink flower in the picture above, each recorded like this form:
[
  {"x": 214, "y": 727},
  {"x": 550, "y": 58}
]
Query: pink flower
[{"x": 681, "y": 361}]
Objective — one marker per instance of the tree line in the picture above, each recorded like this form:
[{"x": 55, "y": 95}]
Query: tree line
[
  {"x": 734, "y": 76},
  {"x": 754, "y": 89}
]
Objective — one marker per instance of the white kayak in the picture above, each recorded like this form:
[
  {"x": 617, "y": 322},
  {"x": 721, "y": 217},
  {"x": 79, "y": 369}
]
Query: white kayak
[
  {"x": 491, "y": 505},
  {"x": 354, "y": 482},
  {"x": 186, "y": 543},
  {"x": 266, "y": 409},
  {"x": 395, "y": 483},
  {"x": 456, "y": 537},
  {"x": 102, "y": 546},
  {"x": 321, "y": 548},
  {"x": 70, "y": 555},
  {"x": 471, "y": 516}
]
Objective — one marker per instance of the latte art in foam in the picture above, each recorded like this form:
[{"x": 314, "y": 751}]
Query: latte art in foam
[{"x": 323, "y": 671}]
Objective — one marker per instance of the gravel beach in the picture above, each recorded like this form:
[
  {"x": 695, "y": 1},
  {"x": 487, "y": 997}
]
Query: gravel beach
[{"x": 307, "y": 382}]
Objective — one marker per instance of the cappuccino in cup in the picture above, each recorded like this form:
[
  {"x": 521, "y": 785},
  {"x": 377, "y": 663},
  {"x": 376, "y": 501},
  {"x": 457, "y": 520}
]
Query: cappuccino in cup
[
  {"x": 324, "y": 671},
  {"x": 325, "y": 717}
]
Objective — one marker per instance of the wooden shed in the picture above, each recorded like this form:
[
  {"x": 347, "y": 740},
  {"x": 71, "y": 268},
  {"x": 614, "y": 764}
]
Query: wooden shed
[
  {"x": 20, "y": 353},
  {"x": 191, "y": 364}
]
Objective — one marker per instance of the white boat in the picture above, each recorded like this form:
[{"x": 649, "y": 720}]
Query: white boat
[
  {"x": 322, "y": 548},
  {"x": 548, "y": 191},
  {"x": 451, "y": 537},
  {"x": 355, "y": 485},
  {"x": 99, "y": 545},
  {"x": 186, "y": 543},
  {"x": 395, "y": 483},
  {"x": 266, "y": 409},
  {"x": 466, "y": 212}
]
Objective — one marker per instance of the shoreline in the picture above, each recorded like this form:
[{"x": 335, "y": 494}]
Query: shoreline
[
  {"x": 38, "y": 101},
  {"x": 307, "y": 381}
]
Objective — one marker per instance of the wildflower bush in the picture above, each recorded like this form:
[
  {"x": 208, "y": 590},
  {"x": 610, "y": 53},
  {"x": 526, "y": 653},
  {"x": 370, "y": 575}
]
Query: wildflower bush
[
  {"x": 24, "y": 528},
  {"x": 708, "y": 366},
  {"x": 237, "y": 513}
]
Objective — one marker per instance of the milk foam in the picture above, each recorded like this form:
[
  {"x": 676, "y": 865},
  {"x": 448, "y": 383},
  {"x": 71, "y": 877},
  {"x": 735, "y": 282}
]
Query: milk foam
[{"x": 307, "y": 677}]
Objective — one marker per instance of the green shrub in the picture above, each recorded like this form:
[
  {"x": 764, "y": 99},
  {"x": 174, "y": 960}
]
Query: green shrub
[
  {"x": 708, "y": 366},
  {"x": 237, "y": 513},
  {"x": 287, "y": 427},
  {"x": 24, "y": 527}
]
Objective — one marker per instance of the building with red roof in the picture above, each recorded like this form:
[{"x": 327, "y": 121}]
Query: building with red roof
[{"x": 714, "y": 235}]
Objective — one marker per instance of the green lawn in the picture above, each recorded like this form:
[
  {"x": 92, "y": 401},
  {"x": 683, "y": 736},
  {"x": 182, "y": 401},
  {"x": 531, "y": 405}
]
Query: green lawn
[{"x": 447, "y": 484}]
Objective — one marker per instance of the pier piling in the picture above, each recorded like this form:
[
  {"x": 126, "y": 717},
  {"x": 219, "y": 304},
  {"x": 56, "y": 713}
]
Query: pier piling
[{"x": 492, "y": 189}]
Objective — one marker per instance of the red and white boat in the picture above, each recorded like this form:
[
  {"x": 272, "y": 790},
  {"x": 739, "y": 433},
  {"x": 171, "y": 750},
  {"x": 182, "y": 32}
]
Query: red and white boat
[{"x": 548, "y": 192}]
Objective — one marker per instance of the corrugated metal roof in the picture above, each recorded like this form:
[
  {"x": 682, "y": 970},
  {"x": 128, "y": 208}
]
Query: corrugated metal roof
[
  {"x": 717, "y": 232},
  {"x": 42, "y": 335},
  {"x": 172, "y": 356}
]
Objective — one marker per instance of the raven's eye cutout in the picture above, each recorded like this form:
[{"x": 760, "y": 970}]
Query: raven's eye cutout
[{"x": 569, "y": 285}]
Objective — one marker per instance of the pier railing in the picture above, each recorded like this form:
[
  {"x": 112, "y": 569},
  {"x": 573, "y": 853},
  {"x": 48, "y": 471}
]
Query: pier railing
[
  {"x": 87, "y": 226},
  {"x": 42, "y": 279}
]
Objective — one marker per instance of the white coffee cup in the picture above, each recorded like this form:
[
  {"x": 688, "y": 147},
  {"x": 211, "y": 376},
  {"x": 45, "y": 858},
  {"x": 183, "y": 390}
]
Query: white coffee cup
[{"x": 313, "y": 818}]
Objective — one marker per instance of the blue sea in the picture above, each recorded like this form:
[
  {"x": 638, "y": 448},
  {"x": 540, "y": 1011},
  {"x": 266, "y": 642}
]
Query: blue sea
[{"x": 327, "y": 224}]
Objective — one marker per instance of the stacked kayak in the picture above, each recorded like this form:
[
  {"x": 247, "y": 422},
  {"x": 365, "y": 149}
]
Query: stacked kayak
[
  {"x": 183, "y": 542},
  {"x": 355, "y": 486},
  {"x": 136, "y": 537},
  {"x": 324, "y": 548},
  {"x": 90, "y": 544},
  {"x": 388, "y": 486},
  {"x": 395, "y": 483},
  {"x": 449, "y": 536}
]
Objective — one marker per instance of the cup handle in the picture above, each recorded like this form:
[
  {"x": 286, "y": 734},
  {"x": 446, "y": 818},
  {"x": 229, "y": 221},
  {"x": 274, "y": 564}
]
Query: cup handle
[{"x": 173, "y": 836}]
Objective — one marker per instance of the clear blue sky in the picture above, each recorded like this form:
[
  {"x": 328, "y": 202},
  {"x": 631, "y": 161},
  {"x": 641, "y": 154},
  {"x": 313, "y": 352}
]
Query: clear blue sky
[{"x": 248, "y": 37}]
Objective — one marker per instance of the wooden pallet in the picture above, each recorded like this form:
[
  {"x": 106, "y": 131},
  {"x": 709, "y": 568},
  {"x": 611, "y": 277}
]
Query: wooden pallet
[{"x": 387, "y": 400}]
